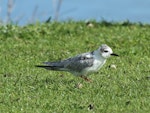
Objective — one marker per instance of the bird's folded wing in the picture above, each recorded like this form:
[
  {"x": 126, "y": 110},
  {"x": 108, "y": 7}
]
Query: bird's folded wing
[{"x": 79, "y": 62}]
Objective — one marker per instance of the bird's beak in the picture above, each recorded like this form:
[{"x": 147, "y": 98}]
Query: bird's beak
[{"x": 113, "y": 54}]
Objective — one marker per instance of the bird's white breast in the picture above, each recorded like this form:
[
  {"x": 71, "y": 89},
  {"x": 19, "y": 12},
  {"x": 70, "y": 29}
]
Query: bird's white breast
[{"x": 97, "y": 64}]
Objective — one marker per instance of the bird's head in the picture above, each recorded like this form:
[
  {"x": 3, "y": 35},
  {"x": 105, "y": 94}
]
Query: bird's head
[{"x": 106, "y": 51}]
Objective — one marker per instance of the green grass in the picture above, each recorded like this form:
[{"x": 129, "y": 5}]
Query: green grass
[{"x": 27, "y": 89}]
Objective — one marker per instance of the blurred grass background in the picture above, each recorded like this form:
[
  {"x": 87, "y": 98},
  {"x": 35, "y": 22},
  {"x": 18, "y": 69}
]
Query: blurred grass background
[{"x": 25, "y": 88}]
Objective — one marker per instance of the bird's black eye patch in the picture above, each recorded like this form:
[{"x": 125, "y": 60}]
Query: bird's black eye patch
[{"x": 105, "y": 51}]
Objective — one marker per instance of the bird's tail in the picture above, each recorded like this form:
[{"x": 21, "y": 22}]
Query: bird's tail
[{"x": 52, "y": 66}]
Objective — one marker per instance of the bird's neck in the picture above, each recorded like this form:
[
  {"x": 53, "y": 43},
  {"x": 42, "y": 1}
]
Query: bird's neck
[{"x": 98, "y": 56}]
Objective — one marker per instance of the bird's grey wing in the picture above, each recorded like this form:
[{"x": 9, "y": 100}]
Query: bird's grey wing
[
  {"x": 79, "y": 62},
  {"x": 74, "y": 64}
]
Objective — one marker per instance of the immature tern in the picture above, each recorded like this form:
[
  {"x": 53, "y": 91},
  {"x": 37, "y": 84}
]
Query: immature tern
[{"x": 82, "y": 64}]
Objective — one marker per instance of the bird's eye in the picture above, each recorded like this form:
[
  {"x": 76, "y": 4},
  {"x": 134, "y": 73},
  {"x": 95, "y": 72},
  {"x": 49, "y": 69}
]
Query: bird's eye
[{"x": 105, "y": 51}]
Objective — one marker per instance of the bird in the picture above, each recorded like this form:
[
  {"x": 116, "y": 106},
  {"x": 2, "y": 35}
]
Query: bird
[{"x": 83, "y": 64}]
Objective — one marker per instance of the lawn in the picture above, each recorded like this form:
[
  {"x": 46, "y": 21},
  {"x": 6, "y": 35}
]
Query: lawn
[{"x": 27, "y": 89}]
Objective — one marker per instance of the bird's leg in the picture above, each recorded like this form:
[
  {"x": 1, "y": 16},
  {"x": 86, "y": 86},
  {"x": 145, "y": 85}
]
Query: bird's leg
[{"x": 85, "y": 78}]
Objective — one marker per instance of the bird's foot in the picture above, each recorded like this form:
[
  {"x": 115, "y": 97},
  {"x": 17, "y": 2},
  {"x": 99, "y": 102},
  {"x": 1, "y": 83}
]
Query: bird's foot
[{"x": 86, "y": 79}]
